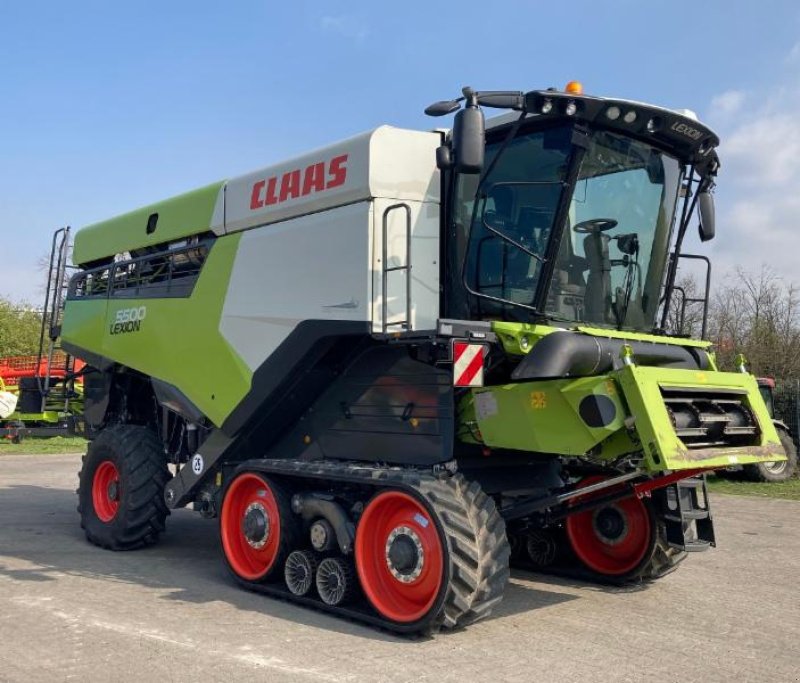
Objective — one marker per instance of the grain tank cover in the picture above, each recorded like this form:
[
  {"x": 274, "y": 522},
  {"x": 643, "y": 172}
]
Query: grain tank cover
[{"x": 386, "y": 162}]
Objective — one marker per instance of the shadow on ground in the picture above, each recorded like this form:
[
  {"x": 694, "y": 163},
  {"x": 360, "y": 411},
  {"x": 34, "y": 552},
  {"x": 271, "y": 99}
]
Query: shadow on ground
[{"x": 40, "y": 526}]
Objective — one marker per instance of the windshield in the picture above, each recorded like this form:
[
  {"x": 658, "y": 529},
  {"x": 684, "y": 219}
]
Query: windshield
[
  {"x": 611, "y": 260},
  {"x": 512, "y": 222},
  {"x": 610, "y": 263}
]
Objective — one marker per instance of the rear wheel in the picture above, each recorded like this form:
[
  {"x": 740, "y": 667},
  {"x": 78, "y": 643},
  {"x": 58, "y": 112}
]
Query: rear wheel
[
  {"x": 257, "y": 527},
  {"x": 121, "y": 490},
  {"x": 776, "y": 471}
]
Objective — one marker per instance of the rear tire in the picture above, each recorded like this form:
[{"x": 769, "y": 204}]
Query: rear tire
[
  {"x": 776, "y": 472},
  {"x": 121, "y": 489},
  {"x": 258, "y": 529}
]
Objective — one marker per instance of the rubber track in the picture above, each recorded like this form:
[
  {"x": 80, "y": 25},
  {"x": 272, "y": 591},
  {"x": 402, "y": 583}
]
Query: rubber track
[
  {"x": 662, "y": 560},
  {"x": 143, "y": 467},
  {"x": 474, "y": 532}
]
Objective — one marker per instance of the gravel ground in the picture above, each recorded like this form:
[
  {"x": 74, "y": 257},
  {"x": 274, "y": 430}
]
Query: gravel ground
[{"x": 70, "y": 611}]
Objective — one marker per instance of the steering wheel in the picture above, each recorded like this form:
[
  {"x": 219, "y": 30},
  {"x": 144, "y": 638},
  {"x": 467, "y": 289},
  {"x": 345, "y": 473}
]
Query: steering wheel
[{"x": 595, "y": 225}]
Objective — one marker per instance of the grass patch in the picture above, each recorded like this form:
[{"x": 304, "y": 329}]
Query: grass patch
[
  {"x": 55, "y": 444},
  {"x": 788, "y": 490}
]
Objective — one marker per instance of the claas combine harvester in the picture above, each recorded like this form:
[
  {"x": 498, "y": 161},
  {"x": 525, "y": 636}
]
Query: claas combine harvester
[{"x": 396, "y": 364}]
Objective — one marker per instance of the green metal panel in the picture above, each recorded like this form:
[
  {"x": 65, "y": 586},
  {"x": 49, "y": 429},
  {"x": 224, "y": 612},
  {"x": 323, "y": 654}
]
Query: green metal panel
[
  {"x": 541, "y": 416},
  {"x": 84, "y": 323},
  {"x": 519, "y": 338},
  {"x": 544, "y": 416},
  {"x": 662, "y": 447},
  {"x": 178, "y": 340},
  {"x": 181, "y": 216}
]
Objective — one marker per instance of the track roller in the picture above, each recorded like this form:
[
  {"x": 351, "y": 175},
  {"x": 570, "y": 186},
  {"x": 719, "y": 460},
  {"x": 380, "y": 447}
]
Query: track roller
[
  {"x": 300, "y": 570},
  {"x": 336, "y": 581},
  {"x": 541, "y": 548}
]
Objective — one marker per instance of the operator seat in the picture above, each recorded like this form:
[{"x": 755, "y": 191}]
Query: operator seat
[
  {"x": 569, "y": 287},
  {"x": 598, "y": 282}
]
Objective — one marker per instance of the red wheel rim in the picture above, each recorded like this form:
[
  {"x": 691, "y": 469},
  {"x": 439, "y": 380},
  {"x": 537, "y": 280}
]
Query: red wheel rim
[
  {"x": 250, "y": 498},
  {"x": 403, "y": 594},
  {"x": 618, "y": 552},
  {"x": 106, "y": 491}
]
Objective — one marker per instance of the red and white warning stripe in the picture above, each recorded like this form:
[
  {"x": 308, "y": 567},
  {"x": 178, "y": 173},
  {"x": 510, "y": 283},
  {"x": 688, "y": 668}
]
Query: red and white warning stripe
[{"x": 468, "y": 364}]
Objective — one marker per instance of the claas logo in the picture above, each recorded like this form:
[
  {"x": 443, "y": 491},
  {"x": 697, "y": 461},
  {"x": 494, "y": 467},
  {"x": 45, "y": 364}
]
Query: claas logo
[{"x": 299, "y": 183}]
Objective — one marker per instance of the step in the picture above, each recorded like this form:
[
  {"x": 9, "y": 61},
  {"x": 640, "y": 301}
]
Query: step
[
  {"x": 693, "y": 546},
  {"x": 687, "y": 515}
]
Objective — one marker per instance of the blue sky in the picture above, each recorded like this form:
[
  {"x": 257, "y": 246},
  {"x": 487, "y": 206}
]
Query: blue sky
[{"x": 108, "y": 106}]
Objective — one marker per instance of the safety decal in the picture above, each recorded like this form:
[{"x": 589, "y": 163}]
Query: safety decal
[{"x": 468, "y": 364}]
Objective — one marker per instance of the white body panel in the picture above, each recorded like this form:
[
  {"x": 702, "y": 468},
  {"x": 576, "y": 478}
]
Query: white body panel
[
  {"x": 315, "y": 267},
  {"x": 385, "y": 162},
  {"x": 424, "y": 270},
  {"x": 319, "y": 255}
]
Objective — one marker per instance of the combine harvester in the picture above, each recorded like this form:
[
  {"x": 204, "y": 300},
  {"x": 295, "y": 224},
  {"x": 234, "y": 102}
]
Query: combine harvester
[{"x": 391, "y": 364}]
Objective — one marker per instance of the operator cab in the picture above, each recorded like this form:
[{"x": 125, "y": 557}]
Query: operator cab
[{"x": 571, "y": 219}]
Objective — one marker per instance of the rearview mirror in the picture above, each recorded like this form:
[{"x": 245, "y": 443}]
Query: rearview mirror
[
  {"x": 705, "y": 205},
  {"x": 469, "y": 140}
]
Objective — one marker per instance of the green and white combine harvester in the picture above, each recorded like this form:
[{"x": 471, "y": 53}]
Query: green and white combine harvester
[{"x": 396, "y": 364}]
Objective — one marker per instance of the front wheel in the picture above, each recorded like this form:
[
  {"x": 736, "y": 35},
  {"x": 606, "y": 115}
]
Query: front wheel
[
  {"x": 776, "y": 471},
  {"x": 121, "y": 490},
  {"x": 615, "y": 541},
  {"x": 436, "y": 557}
]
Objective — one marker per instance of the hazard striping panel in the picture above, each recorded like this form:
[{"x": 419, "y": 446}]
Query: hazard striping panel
[{"x": 468, "y": 364}]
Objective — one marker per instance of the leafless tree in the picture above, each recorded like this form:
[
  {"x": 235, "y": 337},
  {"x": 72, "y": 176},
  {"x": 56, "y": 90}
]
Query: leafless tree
[{"x": 758, "y": 315}]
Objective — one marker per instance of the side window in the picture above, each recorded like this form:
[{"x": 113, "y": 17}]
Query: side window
[{"x": 159, "y": 272}]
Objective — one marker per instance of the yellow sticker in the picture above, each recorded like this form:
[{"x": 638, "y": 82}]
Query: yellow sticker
[
  {"x": 538, "y": 400},
  {"x": 611, "y": 389},
  {"x": 701, "y": 377}
]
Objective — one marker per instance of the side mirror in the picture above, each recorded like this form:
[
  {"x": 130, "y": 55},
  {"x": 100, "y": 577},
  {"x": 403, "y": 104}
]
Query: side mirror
[
  {"x": 705, "y": 205},
  {"x": 469, "y": 140}
]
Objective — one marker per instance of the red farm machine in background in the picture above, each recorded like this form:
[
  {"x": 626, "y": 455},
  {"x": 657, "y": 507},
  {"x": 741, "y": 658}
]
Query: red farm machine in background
[{"x": 42, "y": 394}]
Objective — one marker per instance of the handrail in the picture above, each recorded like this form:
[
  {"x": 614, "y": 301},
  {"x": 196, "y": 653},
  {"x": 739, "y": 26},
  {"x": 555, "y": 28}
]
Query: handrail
[{"x": 386, "y": 270}]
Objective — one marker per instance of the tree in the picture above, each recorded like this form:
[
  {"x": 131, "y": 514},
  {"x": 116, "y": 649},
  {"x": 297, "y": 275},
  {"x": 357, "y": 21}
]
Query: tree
[
  {"x": 20, "y": 326},
  {"x": 685, "y": 314},
  {"x": 758, "y": 315}
]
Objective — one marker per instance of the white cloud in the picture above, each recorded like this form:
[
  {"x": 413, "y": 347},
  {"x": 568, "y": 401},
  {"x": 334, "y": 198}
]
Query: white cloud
[
  {"x": 727, "y": 103},
  {"x": 765, "y": 153},
  {"x": 346, "y": 26},
  {"x": 758, "y": 198},
  {"x": 794, "y": 54}
]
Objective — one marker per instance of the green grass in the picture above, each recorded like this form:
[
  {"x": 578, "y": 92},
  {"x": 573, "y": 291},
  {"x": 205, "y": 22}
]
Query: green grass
[
  {"x": 788, "y": 490},
  {"x": 55, "y": 444}
]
